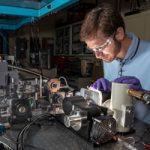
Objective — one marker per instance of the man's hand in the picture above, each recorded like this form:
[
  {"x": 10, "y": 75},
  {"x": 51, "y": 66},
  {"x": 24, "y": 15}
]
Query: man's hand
[
  {"x": 135, "y": 83},
  {"x": 102, "y": 84}
]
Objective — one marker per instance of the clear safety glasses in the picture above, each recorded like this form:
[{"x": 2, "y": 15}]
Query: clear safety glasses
[{"x": 103, "y": 46}]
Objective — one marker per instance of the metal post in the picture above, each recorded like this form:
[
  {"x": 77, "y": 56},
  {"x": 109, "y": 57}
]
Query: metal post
[{"x": 40, "y": 86}]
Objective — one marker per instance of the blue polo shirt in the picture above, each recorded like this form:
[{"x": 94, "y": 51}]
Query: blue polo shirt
[{"x": 136, "y": 63}]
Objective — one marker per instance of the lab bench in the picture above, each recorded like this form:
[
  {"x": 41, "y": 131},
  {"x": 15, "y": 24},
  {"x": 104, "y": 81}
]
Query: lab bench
[{"x": 52, "y": 135}]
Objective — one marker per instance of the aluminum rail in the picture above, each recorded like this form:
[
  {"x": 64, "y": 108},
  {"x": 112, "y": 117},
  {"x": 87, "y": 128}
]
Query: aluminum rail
[{"x": 31, "y": 72}]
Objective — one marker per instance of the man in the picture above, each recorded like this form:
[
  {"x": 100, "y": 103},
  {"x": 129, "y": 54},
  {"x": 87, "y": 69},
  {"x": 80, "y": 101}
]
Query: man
[{"x": 125, "y": 56}]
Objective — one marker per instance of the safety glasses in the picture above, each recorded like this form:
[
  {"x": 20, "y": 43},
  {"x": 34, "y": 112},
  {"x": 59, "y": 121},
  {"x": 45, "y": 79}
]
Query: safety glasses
[{"x": 103, "y": 46}]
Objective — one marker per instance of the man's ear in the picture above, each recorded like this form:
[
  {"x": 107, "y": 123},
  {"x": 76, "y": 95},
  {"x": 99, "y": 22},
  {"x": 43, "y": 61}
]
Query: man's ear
[{"x": 120, "y": 34}]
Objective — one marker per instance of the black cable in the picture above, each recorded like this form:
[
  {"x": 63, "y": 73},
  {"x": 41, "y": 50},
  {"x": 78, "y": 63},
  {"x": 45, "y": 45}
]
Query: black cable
[
  {"x": 9, "y": 139},
  {"x": 6, "y": 145},
  {"x": 20, "y": 137}
]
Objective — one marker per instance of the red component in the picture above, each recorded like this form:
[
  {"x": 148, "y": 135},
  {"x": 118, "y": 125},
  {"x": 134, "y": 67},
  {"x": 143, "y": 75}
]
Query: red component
[{"x": 147, "y": 146}]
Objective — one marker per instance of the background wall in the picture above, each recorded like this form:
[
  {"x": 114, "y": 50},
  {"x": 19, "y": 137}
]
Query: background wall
[{"x": 46, "y": 26}]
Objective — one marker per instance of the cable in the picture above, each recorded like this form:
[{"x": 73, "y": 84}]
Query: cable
[
  {"x": 127, "y": 145},
  {"x": 20, "y": 137},
  {"x": 8, "y": 139},
  {"x": 121, "y": 138},
  {"x": 21, "y": 134},
  {"x": 6, "y": 145},
  {"x": 66, "y": 83}
]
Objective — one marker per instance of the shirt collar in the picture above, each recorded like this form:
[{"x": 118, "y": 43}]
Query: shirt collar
[{"x": 133, "y": 46}]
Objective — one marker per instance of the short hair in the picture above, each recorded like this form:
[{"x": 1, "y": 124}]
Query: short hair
[{"x": 103, "y": 19}]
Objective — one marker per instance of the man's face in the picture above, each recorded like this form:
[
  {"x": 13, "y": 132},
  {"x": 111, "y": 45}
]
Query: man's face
[{"x": 106, "y": 49}]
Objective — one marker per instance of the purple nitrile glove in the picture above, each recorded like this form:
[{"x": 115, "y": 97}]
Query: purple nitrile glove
[
  {"x": 102, "y": 84},
  {"x": 135, "y": 83}
]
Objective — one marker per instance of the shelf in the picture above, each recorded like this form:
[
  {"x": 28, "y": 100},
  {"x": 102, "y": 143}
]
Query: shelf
[{"x": 68, "y": 41}]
